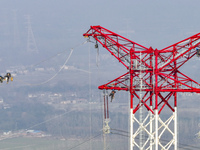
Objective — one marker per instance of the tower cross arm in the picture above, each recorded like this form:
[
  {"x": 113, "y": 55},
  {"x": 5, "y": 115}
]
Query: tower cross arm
[
  {"x": 179, "y": 52},
  {"x": 182, "y": 83},
  {"x": 117, "y": 45},
  {"x": 120, "y": 83}
]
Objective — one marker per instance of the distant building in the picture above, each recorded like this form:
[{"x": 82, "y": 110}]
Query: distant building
[
  {"x": 65, "y": 102},
  {"x": 35, "y": 133},
  {"x": 7, "y": 133},
  {"x": 39, "y": 69}
]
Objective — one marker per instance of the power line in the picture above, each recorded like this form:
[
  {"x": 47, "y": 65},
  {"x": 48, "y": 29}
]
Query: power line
[
  {"x": 57, "y": 54},
  {"x": 181, "y": 145},
  {"x": 55, "y": 73},
  {"x": 85, "y": 141},
  {"x": 50, "y": 119},
  {"x": 119, "y": 130},
  {"x": 72, "y": 49},
  {"x": 60, "y": 115}
]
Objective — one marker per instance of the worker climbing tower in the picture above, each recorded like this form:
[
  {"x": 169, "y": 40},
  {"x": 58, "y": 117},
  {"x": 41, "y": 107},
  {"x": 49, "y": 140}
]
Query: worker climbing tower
[{"x": 153, "y": 79}]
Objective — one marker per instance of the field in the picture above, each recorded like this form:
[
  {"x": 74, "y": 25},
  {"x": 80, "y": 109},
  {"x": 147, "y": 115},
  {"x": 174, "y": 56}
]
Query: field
[{"x": 22, "y": 143}]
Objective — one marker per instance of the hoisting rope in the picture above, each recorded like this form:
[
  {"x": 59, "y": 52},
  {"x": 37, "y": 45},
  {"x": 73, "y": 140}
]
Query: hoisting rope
[
  {"x": 97, "y": 55},
  {"x": 72, "y": 49},
  {"x": 96, "y": 47}
]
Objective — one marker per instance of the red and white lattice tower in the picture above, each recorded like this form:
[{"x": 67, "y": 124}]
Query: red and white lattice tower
[{"x": 153, "y": 79}]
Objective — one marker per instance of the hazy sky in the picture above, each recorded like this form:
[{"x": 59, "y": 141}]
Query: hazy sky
[
  {"x": 154, "y": 23},
  {"x": 59, "y": 24}
]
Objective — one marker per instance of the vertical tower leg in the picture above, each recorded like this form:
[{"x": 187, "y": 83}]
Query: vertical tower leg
[
  {"x": 156, "y": 130},
  {"x": 131, "y": 128},
  {"x": 131, "y": 100},
  {"x": 162, "y": 127},
  {"x": 151, "y": 130},
  {"x": 175, "y": 129},
  {"x": 141, "y": 129},
  {"x": 146, "y": 128}
]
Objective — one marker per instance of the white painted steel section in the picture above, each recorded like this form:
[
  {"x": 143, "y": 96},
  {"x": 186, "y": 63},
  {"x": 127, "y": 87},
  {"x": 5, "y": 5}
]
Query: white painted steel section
[
  {"x": 151, "y": 129},
  {"x": 175, "y": 130},
  {"x": 131, "y": 128},
  {"x": 156, "y": 130},
  {"x": 163, "y": 128},
  {"x": 146, "y": 127}
]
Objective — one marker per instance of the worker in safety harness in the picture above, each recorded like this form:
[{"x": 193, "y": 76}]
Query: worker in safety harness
[
  {"x": 7, "y": 77},
  {"x": 1, "y": 79},
  {"x": 198, "y": 51},
  {"x": 112, "y": 95}
]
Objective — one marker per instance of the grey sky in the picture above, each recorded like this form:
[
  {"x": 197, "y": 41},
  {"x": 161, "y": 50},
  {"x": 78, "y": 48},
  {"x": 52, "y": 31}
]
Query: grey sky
[
  {"x": 59, "y": 24},
  {"x": 153, "y": 21}
]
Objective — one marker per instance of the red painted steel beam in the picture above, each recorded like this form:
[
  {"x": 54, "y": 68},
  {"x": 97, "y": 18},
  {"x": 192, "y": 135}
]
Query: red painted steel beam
[
  {"x": 145, "y": 64},
  {"x": 117, "y": 45}
]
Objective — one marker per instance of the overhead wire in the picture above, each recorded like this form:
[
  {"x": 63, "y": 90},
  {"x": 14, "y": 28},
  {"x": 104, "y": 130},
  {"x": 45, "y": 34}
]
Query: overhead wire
[
  {"x": 57, "y": 54},
  {"x": 54, "y": 74},
  {"x": 50, "y": 80},
  {"x": 100, "y": 93},
  {"x": 97, "y": 65},
  {"x": 90, "y": 108},
  {"x": 181, "y": 145},
  {"x": 91, "y": 138},
  {"x": 35, "y": 125},
  {"x": 60, "y": 115},
  {"x": 97, "y": 54},
  {"x": 66, "y": 61},
  {"x": 85, "y": 141},
  {"x": 72, "y": 49}
]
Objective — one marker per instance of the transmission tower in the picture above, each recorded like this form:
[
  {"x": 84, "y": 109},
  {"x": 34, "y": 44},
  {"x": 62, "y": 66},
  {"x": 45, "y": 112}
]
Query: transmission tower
[
  {"x": 16, "y": 40},
  {"x": 154, "y": 79},
  {"x": 31, "y": 44}
]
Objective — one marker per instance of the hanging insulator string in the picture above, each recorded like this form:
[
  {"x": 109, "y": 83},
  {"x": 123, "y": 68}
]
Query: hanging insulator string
[
  {"x": 107, "y": 106},
  {"x": 104, "y": 106}
]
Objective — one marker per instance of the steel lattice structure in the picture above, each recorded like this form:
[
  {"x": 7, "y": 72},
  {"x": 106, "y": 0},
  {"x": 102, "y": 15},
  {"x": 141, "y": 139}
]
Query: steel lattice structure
[{"x": 153, "y": 80}]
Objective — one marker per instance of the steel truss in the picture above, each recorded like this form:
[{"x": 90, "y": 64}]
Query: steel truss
[{"x": 153, "y": 80}]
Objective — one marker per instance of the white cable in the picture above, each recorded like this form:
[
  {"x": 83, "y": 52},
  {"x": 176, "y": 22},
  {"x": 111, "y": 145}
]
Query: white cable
[
  {"x": 40, "y": 124},
  {"x": 72, "y": 49},
  {"x": 50, "y": 119},
  {"x": 55, "y": 73}
]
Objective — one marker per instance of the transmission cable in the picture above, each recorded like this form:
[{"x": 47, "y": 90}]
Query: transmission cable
[
  {"x": 47, "y": 120},
  {"x": 183, "y": 145},
  {"x": 55, "y": 55},
  {"x": 50, "y": 119},
  {"x": 72, "y": 49},
  {"x": 85, "y": 141}
]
